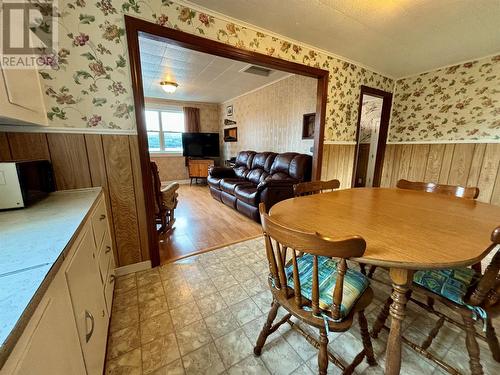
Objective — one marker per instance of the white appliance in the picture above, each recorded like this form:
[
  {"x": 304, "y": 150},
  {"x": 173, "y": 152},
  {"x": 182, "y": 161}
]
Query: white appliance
[{"x": 24, "y": 182}]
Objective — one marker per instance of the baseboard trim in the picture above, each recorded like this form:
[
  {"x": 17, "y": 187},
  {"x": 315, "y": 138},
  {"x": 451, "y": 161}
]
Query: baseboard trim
[
  {"x": 180, "y": 182},
  {"x": 212, "y": 248},
  {"x": 131, "y": 268}
]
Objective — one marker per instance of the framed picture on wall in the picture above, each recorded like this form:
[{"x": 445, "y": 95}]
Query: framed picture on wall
[
  {"x": 229, "y": 110},
  {"x": 308, "y": 126}
]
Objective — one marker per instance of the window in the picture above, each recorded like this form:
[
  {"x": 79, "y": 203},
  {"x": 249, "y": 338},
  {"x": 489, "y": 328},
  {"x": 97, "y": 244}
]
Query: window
[{"x": 165, "y": 128}]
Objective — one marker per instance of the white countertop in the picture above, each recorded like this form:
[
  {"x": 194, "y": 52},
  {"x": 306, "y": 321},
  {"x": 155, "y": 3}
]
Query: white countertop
[{"x": 31, "y": 240}]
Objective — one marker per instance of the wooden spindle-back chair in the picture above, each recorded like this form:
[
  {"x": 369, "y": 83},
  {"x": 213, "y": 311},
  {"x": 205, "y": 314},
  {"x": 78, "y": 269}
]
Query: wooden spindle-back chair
[
  {"x": 289, "y": 280},
  {"x": 165, "y": 200},
  {"x": 482, "y": 295},
  {"x": 313, "y": 187},
  {"x": 430, "y": 187}
]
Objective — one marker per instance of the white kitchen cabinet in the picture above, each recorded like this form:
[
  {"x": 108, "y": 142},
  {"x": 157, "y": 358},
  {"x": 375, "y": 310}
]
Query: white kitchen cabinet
[
  {"x": 89, "y": 306},
  {"x": 67, "y": 331},
  {"x": 21, "y": 97},
  {"x": 50, "y": 343}
]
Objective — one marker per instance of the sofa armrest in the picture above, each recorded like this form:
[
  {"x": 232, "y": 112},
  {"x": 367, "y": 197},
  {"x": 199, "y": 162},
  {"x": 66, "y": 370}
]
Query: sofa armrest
[
  {"x": 221, "y": 172},
  {"x": 274, "y": 191},
  {"x": 276, "y": 184}
]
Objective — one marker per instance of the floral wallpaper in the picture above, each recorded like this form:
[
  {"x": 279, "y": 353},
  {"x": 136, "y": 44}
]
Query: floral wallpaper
[
  {"x": 460, "y": 102},
  {"x": 88, "y": 83}
]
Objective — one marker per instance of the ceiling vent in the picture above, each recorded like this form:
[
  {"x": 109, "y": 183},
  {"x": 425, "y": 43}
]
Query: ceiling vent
[{"x": 257, "y": 70}]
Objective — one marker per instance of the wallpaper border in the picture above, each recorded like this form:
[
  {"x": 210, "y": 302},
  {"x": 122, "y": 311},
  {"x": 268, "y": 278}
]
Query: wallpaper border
[
  {"x": 445, "y": 142},
  {"x": 49, "y": 129}
]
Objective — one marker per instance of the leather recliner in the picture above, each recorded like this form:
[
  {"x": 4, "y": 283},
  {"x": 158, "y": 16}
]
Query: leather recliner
[{"x": 258, "y": 177}]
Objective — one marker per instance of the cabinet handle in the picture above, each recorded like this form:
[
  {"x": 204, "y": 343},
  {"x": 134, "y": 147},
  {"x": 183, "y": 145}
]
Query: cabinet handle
[
  {"x": 102, "y": 217},
  {"x": 89, "y": 315},
  {"x": 108, "y": 249},
  {"x": 112, "y": 279}
]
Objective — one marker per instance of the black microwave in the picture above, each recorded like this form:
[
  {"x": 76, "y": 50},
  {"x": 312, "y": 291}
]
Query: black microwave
[{"x": 24, "y": 182}]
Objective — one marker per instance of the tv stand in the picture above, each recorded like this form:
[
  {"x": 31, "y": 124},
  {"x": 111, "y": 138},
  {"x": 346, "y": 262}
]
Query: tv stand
[{"x": 198, "y": 168}]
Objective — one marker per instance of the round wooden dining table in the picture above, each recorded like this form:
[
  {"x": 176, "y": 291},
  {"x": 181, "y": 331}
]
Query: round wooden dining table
[{"x": 404, "y": 230}]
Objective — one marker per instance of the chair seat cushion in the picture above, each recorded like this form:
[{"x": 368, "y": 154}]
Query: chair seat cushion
[
  {"x": 355, "y": 283},
  {"x": 448, "y": 283},
  {"x": 247, "y": 194},
  {"x": 229, "y": 184}
]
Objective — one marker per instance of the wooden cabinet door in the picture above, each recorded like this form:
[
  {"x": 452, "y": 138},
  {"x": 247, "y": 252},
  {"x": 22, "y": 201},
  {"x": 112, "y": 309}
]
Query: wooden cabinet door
[
  {"x": 205, "y": 166},
  {"x": 194, "y": 168},
  {"x": 21, "y": 96},
  {"x": 50, "y": 343},
  {"x": 89, "y": 307}
]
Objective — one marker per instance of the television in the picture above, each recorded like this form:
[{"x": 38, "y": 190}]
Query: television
[{"x": 200, "y": 145}]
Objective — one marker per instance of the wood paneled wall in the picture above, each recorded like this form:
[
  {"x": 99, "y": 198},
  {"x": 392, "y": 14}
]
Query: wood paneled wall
[
  {"x": 338, "y": 162},
  {"x": 453, "y": 164},
  {"x": 81, "y": 161}
]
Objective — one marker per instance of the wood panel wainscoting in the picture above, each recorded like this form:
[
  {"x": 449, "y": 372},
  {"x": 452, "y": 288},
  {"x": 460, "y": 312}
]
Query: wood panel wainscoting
[
  {"x": 338, "y": 162},
  {"x": 471, "y": 164},
  {"x": 87, "y": 160}
]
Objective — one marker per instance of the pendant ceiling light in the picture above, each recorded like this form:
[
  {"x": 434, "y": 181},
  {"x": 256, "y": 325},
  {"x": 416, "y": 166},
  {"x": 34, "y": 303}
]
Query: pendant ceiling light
[{"x": 168, "y": 86}]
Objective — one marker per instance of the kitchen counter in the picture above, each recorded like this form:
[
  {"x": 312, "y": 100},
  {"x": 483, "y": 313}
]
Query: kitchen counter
[{"x": 33, "y": 244}]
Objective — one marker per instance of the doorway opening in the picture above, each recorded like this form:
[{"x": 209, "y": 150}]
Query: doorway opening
[
  {"x": 136, "y": 29},
  {"x": 373, "y": 124}
]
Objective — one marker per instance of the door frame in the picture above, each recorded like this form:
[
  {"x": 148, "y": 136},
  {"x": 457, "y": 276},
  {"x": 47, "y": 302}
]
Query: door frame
[
  {"x": 134, "y": 27},
  {"x": 382, "y": 137}
]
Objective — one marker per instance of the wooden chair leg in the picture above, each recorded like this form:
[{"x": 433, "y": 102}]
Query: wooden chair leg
[
  {"x": 163, "y": 220},
  {"x": 257, "y": 350},
  {"x": 433, "y": 333},
  {"x": 430, "y": 302},
  {"x": 362, "y": 268},
  {"x": 365, "y": 336},
  {"x": 323, "y": 352},
  {"x": 381, "y": 318},
  {"x": 472, "y": 346},
  {"x": 371, "y": 271},
  {"x": 367, "y": 347},
  {"x": 492, "y": 339}
]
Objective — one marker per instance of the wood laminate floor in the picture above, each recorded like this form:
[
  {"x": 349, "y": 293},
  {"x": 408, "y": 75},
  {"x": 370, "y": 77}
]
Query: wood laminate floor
[{"x": 203, "y": 223}]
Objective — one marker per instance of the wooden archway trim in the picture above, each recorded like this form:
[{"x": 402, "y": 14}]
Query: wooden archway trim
[{"x": 134, "y": 28}]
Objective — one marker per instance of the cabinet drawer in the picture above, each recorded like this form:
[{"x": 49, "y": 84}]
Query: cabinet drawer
[
  {"x": 99, "y": 222},
  {"x": 105, "y": 254}
]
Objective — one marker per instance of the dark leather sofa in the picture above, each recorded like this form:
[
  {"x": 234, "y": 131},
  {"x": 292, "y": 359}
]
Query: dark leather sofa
[{"x": 259, "y": 177}]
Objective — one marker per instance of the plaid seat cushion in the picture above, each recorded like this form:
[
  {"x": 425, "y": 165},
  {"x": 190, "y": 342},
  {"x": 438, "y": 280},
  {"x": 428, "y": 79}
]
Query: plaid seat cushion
[
  {"x": 448, "y": 283},
  {"x": 355, "y": 283}
]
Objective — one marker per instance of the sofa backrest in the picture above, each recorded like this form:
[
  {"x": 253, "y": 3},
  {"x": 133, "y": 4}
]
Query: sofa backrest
[
  {"x": 261, "y": 166},
  {"x": 257, "y": 167},
  {"x": 292, "y": 165},
  {"x": 243, "y": 163}
]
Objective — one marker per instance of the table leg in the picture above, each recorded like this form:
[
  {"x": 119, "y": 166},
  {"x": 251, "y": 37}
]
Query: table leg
[{"x": 401, "y": 281}]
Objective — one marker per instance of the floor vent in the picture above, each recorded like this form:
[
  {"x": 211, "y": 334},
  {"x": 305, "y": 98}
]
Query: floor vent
[{"x": 257, "y": 70}]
